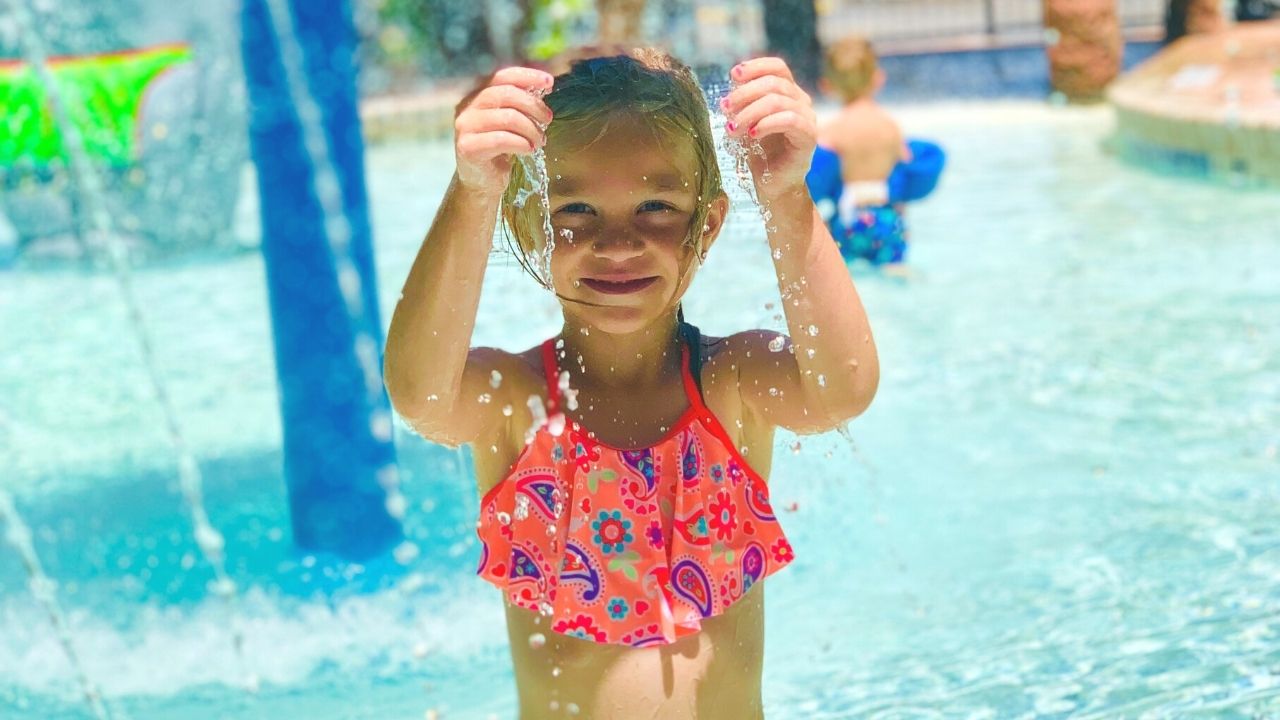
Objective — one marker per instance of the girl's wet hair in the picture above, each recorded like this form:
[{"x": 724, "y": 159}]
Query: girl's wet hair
[{"x": 644, "y": 85}]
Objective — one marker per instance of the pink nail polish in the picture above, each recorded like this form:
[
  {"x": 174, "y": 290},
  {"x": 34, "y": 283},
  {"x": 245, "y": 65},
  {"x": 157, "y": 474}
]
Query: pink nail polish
[
  {"x": 731, "y": 125},
  {"x": 752, "y": 132}
]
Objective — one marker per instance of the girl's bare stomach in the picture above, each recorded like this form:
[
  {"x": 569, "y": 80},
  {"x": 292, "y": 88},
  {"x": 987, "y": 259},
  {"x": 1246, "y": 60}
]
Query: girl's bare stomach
[{"x": 713, "y": 674}]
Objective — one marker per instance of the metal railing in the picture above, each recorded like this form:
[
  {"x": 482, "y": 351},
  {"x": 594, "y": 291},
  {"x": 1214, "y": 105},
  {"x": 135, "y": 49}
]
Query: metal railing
[{"x": 940, "y": 20}]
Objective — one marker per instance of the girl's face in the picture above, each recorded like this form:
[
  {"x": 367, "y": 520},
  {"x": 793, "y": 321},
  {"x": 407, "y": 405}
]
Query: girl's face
[{"x": 621, "y": 209}]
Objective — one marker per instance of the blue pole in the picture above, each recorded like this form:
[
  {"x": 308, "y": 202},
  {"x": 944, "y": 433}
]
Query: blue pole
[{"x": 337, "y": 435}]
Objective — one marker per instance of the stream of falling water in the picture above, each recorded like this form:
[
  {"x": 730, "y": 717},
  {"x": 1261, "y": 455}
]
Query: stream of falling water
[
  {"x": 91, "y": 193},
  {"x": 45, "y": 591}
]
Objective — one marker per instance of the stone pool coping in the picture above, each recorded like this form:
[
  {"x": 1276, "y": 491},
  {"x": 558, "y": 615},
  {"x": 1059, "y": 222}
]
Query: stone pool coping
[{"x": 1209, "y": 103}]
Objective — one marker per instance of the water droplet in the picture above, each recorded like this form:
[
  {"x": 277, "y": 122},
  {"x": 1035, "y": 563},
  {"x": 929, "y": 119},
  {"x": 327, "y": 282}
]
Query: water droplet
[
  {"x": 537, "y": 640},
  {"x": 209, "y": 539},
  {"x": 813, "y": 330},
  {"x": 555, "y": 672},
  {"x": 810, "y": 352},
  {"x": 546, "y": 609},
  {"x": 495, "y": 379},
  {"x": 484, "y": 398},
  {"x": 777, "y": 253},
  {"x": 777, "y": 343},
  {"x": 773, "y": 391},
  {"x": 795, "y": 447},
  {"x": 504, "y": 517},
  {"x": 571, "y": 708},
  {"x": 555, "y": 425},
  {"x": 405, "y": 553},
  {"x": 507, "y": 410},
  {"x": 822, "y": 380}
]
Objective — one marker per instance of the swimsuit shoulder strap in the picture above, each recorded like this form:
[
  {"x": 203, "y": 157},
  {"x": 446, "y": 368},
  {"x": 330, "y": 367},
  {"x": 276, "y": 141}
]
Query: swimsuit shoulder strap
[{"x": 552, "y": 370}]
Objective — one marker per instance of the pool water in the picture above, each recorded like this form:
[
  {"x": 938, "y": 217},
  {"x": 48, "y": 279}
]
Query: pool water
[{"x": 1063, "y": 502}]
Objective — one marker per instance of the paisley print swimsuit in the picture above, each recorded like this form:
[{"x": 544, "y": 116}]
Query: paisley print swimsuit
[{"x": 629, "y": 546}]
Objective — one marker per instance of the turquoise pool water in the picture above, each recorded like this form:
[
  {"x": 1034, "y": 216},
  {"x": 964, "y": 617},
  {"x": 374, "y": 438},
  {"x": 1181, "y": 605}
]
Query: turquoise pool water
[{"x": 1063, "y": 502}]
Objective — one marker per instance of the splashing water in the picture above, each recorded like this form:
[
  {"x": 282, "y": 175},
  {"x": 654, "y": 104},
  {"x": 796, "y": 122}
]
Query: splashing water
[
  {"x": 737, "y": 150},
  {"x": 539, "y": 412},
  {"x": 44, "y": 590},
  {"x": 535, "y": 169}
]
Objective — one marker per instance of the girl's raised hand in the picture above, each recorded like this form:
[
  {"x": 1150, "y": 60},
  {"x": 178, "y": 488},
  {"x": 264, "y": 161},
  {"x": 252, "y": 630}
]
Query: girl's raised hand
[
  {"x": 502, "y": 119},
  {"x": 767, "y": 105}
]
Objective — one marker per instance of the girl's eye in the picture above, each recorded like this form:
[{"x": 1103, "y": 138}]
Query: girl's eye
[
  {"x": 576, "y": 208},
  {"x": 655, "y": 206}
]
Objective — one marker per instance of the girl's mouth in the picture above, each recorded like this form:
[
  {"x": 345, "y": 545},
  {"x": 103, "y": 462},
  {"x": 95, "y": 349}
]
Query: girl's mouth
[{"x": 619, "y": 287}]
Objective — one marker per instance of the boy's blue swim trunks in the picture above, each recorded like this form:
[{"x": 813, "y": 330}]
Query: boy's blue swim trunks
[{"x": 875, "y": 234}]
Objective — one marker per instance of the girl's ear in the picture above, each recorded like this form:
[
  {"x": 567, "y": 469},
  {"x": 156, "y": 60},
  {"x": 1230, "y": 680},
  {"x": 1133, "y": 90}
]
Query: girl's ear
[{"x": 714, "y": 222}]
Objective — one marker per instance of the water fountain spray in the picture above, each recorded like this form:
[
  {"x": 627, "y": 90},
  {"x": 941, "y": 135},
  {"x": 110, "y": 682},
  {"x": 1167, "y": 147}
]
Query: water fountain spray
[
  {"x": 45, "y": 591},
  {"x": 90, "y": 193}
]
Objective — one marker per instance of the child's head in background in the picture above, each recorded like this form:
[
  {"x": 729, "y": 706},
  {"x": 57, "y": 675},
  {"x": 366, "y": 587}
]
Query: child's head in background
[
  {"x": 851, "y": 70},
  {"x": 635, "y": 190}
]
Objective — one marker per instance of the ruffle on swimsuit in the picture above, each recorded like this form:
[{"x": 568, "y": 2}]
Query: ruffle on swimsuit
[{"x": 629, "y": 547}]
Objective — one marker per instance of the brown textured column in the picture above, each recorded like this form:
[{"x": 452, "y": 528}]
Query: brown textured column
[
  {"x": 620, "y": 21},
  {"x": 1205, "y": 16},
  {"x": 1084, "y": 48}
]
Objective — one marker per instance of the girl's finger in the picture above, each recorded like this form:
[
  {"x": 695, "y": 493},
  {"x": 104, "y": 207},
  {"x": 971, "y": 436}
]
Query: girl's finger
[
  {"x": 526, "y": 79},
  {"x": 749, "y": 70},
  {"x": 500, "y": 119},
  {"x": 749, "y": 92},
  {"x": 752, "y": 114},
  {"x": 510, "y": 96},
  {"x": 484, "y": 146},
  {"x": 796, "y": 126}
]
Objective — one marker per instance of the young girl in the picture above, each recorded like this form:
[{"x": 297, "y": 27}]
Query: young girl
[{"x": 622, "y": 464}]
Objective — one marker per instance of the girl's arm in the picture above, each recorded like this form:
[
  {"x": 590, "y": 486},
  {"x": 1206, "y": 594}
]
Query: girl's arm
[
  {"x": 827, "y": 372},
  {"x": 432, "y": 375}
]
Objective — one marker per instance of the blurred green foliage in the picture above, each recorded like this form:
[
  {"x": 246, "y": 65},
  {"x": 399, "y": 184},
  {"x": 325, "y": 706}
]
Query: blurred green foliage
[
  {"x": 552, "y": 26},
  {"x": 404, "y": 34}
]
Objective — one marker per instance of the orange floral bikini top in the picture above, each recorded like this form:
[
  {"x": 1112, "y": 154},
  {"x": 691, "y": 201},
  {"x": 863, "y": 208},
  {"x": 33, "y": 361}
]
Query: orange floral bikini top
[{"x": 629, "y": 547}]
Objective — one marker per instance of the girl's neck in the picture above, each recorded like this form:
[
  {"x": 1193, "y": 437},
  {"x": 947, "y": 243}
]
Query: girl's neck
[{"x": 641, "y": 359}]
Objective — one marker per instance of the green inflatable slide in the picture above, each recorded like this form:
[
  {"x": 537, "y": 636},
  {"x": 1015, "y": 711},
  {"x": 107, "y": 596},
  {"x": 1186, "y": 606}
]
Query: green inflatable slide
[{"x": 103, "y": 94}]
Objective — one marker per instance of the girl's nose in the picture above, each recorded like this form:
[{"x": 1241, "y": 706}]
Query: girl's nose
[{"x": 617, "y": 246}]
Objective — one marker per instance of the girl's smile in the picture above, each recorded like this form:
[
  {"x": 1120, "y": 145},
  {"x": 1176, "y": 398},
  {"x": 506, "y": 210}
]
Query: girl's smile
[{"x": 619, "y": 284}]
